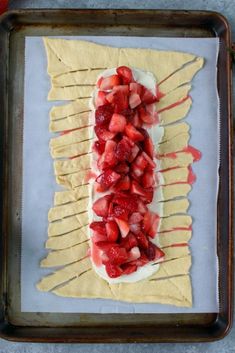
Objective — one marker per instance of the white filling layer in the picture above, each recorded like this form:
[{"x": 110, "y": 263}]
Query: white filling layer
[{"x": 156, "y": 133}]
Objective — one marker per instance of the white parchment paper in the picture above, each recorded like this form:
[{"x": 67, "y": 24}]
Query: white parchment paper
[{"x": 39, "y": 182}]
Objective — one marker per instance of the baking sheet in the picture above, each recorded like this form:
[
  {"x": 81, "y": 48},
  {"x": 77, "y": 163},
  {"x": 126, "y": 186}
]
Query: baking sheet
[{"x": 39, "y": 182}]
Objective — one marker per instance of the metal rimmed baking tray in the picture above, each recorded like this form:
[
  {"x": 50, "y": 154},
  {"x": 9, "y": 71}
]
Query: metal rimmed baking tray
[{"x": 52, "y": 327}]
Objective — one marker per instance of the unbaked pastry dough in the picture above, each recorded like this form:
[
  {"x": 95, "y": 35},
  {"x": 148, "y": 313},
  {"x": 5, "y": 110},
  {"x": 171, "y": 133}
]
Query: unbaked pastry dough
[{"x": 73, "y": 69}]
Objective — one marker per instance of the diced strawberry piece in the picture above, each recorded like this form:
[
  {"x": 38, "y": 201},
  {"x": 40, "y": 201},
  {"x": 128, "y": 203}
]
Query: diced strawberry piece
[
  {"x": 98, "y": 147},
  {"x": 147, "y": 97},
  {"x": 98, "y": 83},
  {"x": 140, "y": 162},
  {"x": 117, "y": 123},
  {"x": 122, "y": 168},
  {"x": 129, "y": 241},
  {"x": 120, "y": 212},
  {"x": 117, "y": 255},
  {"x": 158, "y": 253},
  {"x": 146, "y": 194},
  {"x": 123, "y": 226},
  {"x": 136, "y": 172},
  {"x": 128, "y": 268},
  {"x": 136, "y": 88},
  {"x": 113, "y": 271},
  {"x": 112, "y": 231},
  {"x": 145, "y": 116},
  {"x": 100, "y": 99},
  {"x": 106, "y": 246},
  {"x": 148, "y": 147},
  {"x": 123, "y": 150},
  {"x": 98, "y": 187},
  {"x": 134, "y": 151},
  {"x": 110, "y": 153},
  {"x": 126, "y": 74},
  {"x": 148, "y": 179},
  {"x": 103, "y": 114},
  {"x": 134, "y": 100},
  {"x": 128, "y": 202},
  {"x": 103, "y": 133},
  {"x": 101, "y": 206},
  {"x": 135, "y": 120},
  {"x": 151, "y": 251},
  {"x": 142, "y": 240},
  {"x": 149, "y": 160},
  {"x": 101, "y": 164},
  {"x": 97, "y": 237},
  {"x": 118, "y": 99},
  {"x": 122, "y": 88},
  {"x": 135, "y": 228},
  {"x": 150, "y": 223},
  {"x": 135, "y": 217},
  {"x": 108, "y": 178},
  {"x": 109, "y": 82},
  {"x": 142, "y": 208},
  {"x": 133, "y": 254},
  {"x": 123, "y": 184},
  {"x": 133, "y": 133},
  {"x": 98, "y": 227}
]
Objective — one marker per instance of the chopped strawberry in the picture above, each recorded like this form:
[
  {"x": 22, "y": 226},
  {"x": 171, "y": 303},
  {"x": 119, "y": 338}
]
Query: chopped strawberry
[
  {"x": 101, "y": 206},
  {"x": 117, "y": 123},
  {"x": 109, "y": 152},
  {"x": 98, "y": 227},
  {"x": 123, "y": 150},
  {"x": 136, "y": 88},
  {"x": 108, "y": 178},
  {"x": 145, "y": 116},
  {"x": 123, "y": 88},
  {"x": 135, "y": 228},
  {"x": 120, "y": 212},
  {"x": 106, "y": 246},
  {"x": 128, "y": 268},
  {"x": 128, "y": 202},
  {"x": 113, "y": 271},
  {"x": 118, "y": 99},
  {"x": 147, "y": 97},
  {"x": 134, "y": 100},
  {"x": 146, "y": 194},
  {"x": 103, "y": 114},
  {"x": 135, "y": 217},
  {"x": 123, "y": 184},
  {"x": 129, "y": 241},
  {"x": 153, "y": 252},
  {"x": 112, "y": 231},
  {"x": 97, "y": 237},
  {"x": 133, "y": 254},
  {"x": 150, "y": 223},
  {"x": 103, "y": 133},
  {"x": 135, "y": 120},
  {"x": 98, "y": 83},
  {"x": 117, "y": 255},
  {"x": 140, "y": 162},
  {"x": 125, "y": 73},
  {"x": 149, "y": 160},
  {"x": 134, "y": 151},
  {"x": 122, "y": 168},
  {"x": 142, "y": 240},
  {"x": 133, "y": 133},
  {"x": 100, "y": 99},
  {"x": 98, "y": 147},
  {"x": 148, "y": 147},
  {"x": 123, "y": 226},
  {"x": 142, "y": 208},
  {"x": 109, "y": 82},
  {"x": 148, "y": 179},
  {"x": 141, "y": 261}
]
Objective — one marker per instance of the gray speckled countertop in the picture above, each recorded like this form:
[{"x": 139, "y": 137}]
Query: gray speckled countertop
[{"x": 227, "y": 345}]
